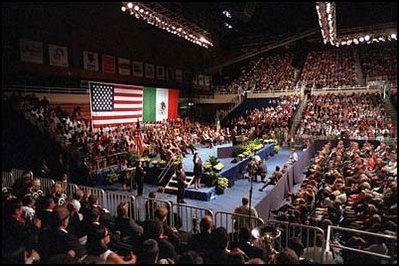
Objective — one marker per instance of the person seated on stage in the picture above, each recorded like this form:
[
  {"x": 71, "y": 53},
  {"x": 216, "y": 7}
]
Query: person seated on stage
[
  {"x": 293, "y": 157},
  {"x": 273, "y": 179},
  {"x": 252, "y": 168}
]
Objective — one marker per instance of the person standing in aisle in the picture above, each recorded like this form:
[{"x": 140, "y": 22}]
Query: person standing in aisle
[
  {"x": 181, "y": 183},
  {"x": 139, "y": 176}
]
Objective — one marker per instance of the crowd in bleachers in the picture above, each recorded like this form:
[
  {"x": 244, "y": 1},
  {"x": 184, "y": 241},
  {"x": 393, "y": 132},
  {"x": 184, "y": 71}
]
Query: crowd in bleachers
[
  {"x": 272, "y": 120},
  {"x": 352, "y": 186},
  {"x": 356, "y": 116},
  {"x": 167, "y": 138},
  {"x": 379, "y": 61},
  {"x": 329, "y": 68},
  {"x": 273, "y": 73}
]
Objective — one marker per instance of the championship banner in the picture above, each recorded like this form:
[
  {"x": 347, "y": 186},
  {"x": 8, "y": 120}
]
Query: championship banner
[
  {"x": 169, "y": 73},
  {"x": 149, "y": 71},
  {"x": 160, "y": 72},
  {"x": 179, "y": 75},
  {"x": 58, "y": 55},
  {"x": 90, "y": 60},
  {"x": 124, "y": 66},
  {"x": 138, "y": 69},
  {"x": 31, "y": 51},
  {"x": 108, "y": 63}
]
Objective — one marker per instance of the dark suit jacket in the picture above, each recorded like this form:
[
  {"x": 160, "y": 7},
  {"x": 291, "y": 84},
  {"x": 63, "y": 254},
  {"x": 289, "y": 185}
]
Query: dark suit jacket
[
  {"x": 252, "y": 251},
  {"x": 56, "y": 241}
]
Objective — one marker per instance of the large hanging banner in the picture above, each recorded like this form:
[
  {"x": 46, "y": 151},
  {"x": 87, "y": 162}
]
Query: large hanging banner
[
  {"x": 31, "y": 51},
  {"x": 160, "y": 104},
  {"x": 58, "y": 55},
  {"x": 90, "y": 60},
  {"x": 124, "y": 66},
  {"x": 108, "y": 63}
]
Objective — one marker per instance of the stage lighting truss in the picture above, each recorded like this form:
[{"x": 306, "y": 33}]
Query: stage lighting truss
[
  {"x": 328, "y": 26},
  {"x": 157, "y": 15}
]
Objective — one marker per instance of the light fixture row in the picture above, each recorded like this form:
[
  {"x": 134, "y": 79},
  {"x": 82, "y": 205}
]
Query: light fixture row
[
  {"x": 327, "y": 22},
  {"x": 174, "y": 26}
]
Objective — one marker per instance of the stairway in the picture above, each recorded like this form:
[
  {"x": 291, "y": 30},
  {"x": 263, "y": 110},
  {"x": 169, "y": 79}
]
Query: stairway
[
  {"x": 171, "y": 187},
  {"x": 298, "y": 117},
  {"x": 358, "y": 68},
  {"x": 390, "y": 109}
]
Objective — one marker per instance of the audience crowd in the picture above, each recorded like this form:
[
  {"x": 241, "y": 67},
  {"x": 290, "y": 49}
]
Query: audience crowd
[
  {"x": 352, "y": 186},
  {"x": 330, "y": 68},
  {"x": 379, "y": 61},
  {"x": 167, "y": 138},
  {"x": 355, "y": 116},
  {"x": 41, "y": 229},
  {"x": 267, "y": 74},
  {"x": 273, "y": 120}
]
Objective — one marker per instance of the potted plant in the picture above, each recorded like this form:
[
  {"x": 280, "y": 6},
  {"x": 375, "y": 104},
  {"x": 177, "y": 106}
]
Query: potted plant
[{"x": 221, "y": 184}]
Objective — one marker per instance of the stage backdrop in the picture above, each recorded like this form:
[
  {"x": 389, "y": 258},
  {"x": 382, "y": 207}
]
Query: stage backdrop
[{"x": 113, "y": 104}]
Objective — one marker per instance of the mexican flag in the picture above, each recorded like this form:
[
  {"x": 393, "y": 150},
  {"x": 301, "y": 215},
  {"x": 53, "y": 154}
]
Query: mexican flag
[{"x": 160, "y": 104}]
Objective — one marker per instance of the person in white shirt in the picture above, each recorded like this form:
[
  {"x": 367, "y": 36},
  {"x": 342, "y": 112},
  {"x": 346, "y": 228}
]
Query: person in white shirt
[{"x": 317, "y": 253}]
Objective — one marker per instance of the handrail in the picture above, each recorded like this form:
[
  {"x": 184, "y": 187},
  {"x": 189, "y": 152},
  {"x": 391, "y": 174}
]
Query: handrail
[
  {"x": 337, "y": 245},
  {"x": 165, "y": 171}
]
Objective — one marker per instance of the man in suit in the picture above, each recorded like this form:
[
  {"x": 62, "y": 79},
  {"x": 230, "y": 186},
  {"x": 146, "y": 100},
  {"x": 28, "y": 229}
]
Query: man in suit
[
  {"x": 181, "y": 183},
  {"x": 58, "y": 240}
]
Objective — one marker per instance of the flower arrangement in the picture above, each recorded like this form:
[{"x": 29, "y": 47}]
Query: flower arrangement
[
  {"x": 248, "y": 148},
  {"x": 176, "y": 161},
  {"x": 162, "y": 163},
  {"x": 222, "y": 182},
  {"x": 213, "y": 164},
  {"x": 112, "y": 177}
]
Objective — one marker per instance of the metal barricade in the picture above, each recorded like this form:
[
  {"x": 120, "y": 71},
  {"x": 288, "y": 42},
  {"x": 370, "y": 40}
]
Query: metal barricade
[
  {"x": 95, "y": 191},
  {"x": 233, "y": 222},
  {"x": 338, "y": 238},
  {"x": 189, "y": 216},
  {"x": 17, "y": 173},
  {"x": 46, "y": 184},
  {"x": 113, "y": 198},
  {"x": 8, "y": 179},
  {"x": 144, "y": 209},
  {"x": 305, "y": 233},
  {"x": 70, "y": 189}
]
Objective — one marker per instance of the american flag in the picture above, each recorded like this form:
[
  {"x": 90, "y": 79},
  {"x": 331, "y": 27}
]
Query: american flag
[{"x": 115, "y": 104}]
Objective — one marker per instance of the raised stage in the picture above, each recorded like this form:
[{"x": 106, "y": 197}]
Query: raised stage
[{"x": 232, "y": 171}]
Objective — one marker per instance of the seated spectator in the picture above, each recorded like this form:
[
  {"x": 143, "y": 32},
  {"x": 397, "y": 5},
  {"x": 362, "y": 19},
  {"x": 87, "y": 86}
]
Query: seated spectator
[
  {"x": 97, "y": 246},
  {"x": 125, "y": 225},
  {"x": 220, "y": 254}
]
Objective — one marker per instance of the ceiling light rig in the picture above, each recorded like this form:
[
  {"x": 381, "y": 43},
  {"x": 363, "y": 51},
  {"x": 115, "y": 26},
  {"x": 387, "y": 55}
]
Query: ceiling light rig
[
  {"x": 327, "y": 21},
  {"x": 156, "y": 15}
]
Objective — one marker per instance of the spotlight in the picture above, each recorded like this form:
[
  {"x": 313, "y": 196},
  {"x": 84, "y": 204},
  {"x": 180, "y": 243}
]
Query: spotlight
[
  {"x": 355, "y": 41},
  {"x": 123, "y": 9},
  {"x": 361, "y": 39},
  {"x": 367, "y": 38},
  {"x": 130, "y": 5},
  {"x": 393, "y": 36},
  {"x": 136, "y": 8}
]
